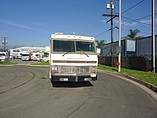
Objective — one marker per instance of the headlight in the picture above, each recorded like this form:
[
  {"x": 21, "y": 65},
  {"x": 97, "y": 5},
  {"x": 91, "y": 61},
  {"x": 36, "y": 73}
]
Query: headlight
[
  {"x": 54, "y": 69},
  {"x": 94, "y": 69}
]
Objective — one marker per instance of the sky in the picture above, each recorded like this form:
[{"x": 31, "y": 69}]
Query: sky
[{"x": 31, "y": 22}]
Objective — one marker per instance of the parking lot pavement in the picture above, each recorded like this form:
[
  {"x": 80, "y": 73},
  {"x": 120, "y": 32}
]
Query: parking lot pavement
[{"x": 107, "y": 97}]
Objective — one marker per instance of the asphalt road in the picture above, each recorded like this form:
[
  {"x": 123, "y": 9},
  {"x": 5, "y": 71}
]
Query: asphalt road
[{"x": 26, "y": 92}]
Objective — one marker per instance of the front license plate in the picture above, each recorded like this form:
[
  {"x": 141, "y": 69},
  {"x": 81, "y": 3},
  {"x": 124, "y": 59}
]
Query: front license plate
[
  {"x": 93, "y": 75},
  {"x": 63, "y": 79}
]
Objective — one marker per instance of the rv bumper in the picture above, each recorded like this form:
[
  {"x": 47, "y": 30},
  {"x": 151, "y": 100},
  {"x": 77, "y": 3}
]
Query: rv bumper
[{"x": 70, "y": 78}]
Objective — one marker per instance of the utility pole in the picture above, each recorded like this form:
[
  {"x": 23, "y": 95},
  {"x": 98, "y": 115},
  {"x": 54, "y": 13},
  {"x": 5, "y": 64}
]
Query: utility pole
[
  {"x": 4, "y": 42},
  {"x": 111, "y": 7},
  {"x": 153, "y": 36},
  {"x": 120, "y": 34}
]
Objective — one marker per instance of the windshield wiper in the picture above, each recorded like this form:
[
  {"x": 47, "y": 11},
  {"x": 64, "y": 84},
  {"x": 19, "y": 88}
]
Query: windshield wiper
[
  {"x": 83, "y": 52},
  {"x": 67, "y": 52}
]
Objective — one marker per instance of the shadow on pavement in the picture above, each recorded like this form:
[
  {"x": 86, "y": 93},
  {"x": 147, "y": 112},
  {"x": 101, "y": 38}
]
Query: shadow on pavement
[{"x": 72, "y": 84}]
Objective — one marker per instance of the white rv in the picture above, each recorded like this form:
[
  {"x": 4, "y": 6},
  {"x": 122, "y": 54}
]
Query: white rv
[
  {"x": 3, "y": 56},
  {"x": 15, "y": 53},
  {"x": 35, "y": 56},
  {"x": 46, "y": 57},
  {"x": 26, "y": 56},
  {"x": 72, "y": 58}
]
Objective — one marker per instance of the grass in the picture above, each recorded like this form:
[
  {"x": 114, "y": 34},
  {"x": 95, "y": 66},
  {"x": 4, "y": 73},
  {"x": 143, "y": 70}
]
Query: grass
[
  {"x": 142, "y": 75},
  {"x": 5, "y": 63},
  {"x": 42, "y": 63}
]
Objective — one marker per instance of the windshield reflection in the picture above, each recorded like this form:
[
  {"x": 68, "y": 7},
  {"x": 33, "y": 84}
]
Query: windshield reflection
[{"x": 73, "y": 46}]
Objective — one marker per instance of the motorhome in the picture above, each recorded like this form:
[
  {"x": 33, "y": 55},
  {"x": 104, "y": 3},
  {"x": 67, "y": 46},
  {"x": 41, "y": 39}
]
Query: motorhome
[
  {"x": 46, "y": 57},
  {"x": 25, "y": 56},
  {"x": 35, "y": 56},
  {"x": 15, "y": 53},
  {"x": 73, "y": 58},
  {"x": 3, "y": 56}
]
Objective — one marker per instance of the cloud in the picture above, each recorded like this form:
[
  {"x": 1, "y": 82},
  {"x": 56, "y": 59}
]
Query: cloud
[
  {"x": 16, "y": 24},
  {"x": 129, "y": 23},
  {"x": 123, "y": 22},
  {"x": 126, "y": 23},
  {"x": 23, "y": 26},
  {"x": 146, "y": 21},
  {"x": 102, "y": 21},
  {"x": 135, "y": 23},
  {"x": 39, "y": 24},
  {"x": 149, "y": 21}
]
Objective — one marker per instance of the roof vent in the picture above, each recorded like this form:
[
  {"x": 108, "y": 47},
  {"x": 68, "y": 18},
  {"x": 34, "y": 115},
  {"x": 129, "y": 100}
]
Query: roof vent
[{"x": 58, "y": 33}]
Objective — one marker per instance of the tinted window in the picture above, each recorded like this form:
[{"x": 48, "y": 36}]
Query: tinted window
[{"x": 63, "y": 46}]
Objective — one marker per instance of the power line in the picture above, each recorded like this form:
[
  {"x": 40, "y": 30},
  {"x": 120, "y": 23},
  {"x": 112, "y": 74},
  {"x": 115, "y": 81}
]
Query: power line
[
  {"x": 132, "y": 6},
  {"x": 141, "y": 31},
  {"x": 102, "y": 33},
  {"x": 124, "y": 18},
  {"x": 127, "y": 9},
  {"x": 135, "y": 21},
  {"x": 143, "y": 17}
]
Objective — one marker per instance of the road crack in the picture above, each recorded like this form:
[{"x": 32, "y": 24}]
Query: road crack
[{"x": 78, "y": 108}]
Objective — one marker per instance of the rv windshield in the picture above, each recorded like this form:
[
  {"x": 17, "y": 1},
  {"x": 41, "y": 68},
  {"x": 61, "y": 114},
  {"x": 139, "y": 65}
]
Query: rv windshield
[
  {"x": 46, "y": 54},
  {"x": 85, "y": 46},
  {"x": 73, "y": 46},
  {"x": 2, "y": 54},
  {"x": 63, "y": 46}
]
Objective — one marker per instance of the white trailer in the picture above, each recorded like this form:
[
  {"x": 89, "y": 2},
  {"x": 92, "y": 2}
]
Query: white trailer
[{"x": 72, "y": 58}]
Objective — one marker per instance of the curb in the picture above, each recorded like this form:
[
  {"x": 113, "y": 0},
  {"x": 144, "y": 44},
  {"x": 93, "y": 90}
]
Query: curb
[{"x": 148, "y": 85}]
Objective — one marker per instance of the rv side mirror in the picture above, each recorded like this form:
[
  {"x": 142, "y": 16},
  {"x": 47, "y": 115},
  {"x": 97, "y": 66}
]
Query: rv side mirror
[{"x": 98, "y": 51}]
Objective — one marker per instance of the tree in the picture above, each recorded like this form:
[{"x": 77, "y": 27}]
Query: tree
[
  {"x": 133, "y": 34},
  {"x": 100, "y": 42}
]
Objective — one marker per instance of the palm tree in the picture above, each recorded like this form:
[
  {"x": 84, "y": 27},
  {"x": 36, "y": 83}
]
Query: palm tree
[
  {"x": 100, "y": 42},
  {"x": 133, "y": 34}
]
